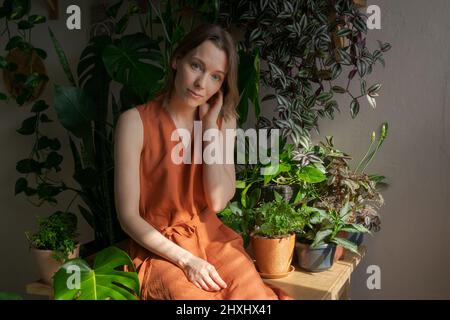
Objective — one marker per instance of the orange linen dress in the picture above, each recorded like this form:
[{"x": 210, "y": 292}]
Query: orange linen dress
[{"x": 172, "y": 200}]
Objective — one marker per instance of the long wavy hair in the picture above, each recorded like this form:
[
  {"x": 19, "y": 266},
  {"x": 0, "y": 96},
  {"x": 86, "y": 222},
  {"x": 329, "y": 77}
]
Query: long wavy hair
[{"x": 224, "y": 41}]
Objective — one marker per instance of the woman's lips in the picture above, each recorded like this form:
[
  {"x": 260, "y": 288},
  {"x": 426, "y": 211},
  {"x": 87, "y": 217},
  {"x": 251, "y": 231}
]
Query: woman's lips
[{"x": 193, "y": 94}]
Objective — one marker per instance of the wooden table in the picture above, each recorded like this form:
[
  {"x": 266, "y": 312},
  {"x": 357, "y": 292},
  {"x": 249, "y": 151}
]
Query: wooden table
[{"x": 332, "y": 284}]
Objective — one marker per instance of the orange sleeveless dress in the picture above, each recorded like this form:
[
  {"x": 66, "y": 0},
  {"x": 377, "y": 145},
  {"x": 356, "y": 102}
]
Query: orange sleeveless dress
[{"x": 172, "y": 200}]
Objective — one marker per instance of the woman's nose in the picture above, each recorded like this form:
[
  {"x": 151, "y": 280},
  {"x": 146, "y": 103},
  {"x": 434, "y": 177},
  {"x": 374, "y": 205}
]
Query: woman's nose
[{"x": 200, "y": 82}]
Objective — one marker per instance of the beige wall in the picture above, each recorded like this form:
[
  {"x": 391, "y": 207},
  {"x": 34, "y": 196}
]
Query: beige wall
[{"x": 413, "y": 248}]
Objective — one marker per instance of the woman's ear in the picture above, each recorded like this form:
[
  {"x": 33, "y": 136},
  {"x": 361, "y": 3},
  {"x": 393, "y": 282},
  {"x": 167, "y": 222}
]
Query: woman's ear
[{"x": 174, "y": 63}]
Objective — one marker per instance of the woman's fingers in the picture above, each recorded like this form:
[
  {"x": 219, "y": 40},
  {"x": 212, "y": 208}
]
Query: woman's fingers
[
  {"x": 216, "y": 277},
  {"x": 203, "y": 285},
  {"x": 211, "y": 284}
]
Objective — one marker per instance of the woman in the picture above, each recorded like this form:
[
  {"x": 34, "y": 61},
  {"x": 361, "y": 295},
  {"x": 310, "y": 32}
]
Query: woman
[{"x": 179, "y": 246}]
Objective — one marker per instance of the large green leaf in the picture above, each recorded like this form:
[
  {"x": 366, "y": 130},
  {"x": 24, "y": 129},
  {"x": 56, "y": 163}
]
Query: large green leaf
[
  {"x": 320, "y": 237},
  {"x": 74, "y": 109},
  {"x": 347, "y": 244},
  {"x": 311, "y": 174},
  {"x": 100, "y": 283},
  {"x": 62, "y": 58},
  {"x": 135, "y": 61},
  {"x": 248, "y": 84},
  {"x": 91, "y": 61}
]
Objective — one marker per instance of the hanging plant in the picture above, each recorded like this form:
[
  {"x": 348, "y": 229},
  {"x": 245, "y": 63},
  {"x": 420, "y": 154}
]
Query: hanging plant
[{"x": 297, "y": 44}]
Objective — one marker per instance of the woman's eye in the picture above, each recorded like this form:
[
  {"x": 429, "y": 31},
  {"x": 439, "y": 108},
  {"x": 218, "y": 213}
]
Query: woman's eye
[
  {"x": 217, "y": 78},
  {"x": 195, "y": 65}
]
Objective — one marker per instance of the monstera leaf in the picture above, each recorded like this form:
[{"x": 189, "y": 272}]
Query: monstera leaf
[
  {"x": 135, "y": 61},
  {"x": 75, "y": 280}
]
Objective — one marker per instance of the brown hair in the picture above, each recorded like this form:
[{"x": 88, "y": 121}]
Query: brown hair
[{"x": 224, "y": 41}]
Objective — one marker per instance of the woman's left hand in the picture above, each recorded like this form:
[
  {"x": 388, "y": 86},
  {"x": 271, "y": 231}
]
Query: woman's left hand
[{"x": 209, "y": 111}]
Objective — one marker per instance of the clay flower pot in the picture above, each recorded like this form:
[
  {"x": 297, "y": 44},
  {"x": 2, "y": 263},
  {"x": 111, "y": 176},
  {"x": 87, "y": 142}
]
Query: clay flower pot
[
  {"x": 47, "y": 265},
  {"x": 273, "y": 256},
  {"x": 340, "y": 251}
]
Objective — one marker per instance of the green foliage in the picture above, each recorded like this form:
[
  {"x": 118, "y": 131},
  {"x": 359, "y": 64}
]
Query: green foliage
[
  {"x": 323, "y": 227},
  {"x": 57, "y": 233},
  {"x": 277, "y": 218},
  {"x": 76, "y": 280},
  {"x": 10, "y": 296},
  {"x": 308, "y": 48}
]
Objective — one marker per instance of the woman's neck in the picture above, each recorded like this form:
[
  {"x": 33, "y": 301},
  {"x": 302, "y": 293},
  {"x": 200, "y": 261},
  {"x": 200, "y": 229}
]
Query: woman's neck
[{"x": 181, "y": 112}]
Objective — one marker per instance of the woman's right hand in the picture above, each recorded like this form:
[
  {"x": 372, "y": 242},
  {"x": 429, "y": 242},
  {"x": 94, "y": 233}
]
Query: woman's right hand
[{"x": 203, "y": 274}]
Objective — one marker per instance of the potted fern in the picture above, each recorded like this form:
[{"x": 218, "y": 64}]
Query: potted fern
[
  {"x": 273, "y": 237},
  {"x": 54, "y": 243}
]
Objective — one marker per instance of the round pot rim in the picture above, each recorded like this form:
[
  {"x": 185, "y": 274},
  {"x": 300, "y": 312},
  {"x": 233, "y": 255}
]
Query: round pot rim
[
  {"x": 268, "y": 238},
  {"x": 78, "y": 244},
  {"x": 322, "y": 246}
]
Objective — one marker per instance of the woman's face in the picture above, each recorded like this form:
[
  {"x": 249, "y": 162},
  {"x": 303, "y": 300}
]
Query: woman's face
[{"x": 202, "y": 72}]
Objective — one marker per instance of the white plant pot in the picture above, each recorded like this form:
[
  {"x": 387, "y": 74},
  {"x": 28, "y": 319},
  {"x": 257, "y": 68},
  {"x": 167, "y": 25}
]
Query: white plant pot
[{"x": 47, "y": 265}]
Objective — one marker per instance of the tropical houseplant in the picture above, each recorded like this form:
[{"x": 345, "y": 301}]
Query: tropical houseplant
[
  {"x": 112, "y": 277},
  {"x": 54, "y": 242}
]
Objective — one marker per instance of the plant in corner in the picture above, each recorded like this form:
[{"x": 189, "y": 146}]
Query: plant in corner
[
  {"x": 54, "y": 242},
  {"x": 273, "y": 237}
]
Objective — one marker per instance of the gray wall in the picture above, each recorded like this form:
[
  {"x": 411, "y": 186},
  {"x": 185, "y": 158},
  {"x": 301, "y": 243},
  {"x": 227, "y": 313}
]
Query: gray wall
[{"x": 413, "y": 247}]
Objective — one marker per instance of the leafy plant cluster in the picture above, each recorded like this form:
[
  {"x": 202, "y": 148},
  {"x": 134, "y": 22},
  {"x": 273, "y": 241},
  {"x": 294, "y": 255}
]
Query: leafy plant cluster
[
  {"x": 308, "y": 48},
  {"x": 57, "y": 233},
  {"x": 277, "y": 218},
  {"x": 325, "y": 227},
  {"x": 330, "y": 196}
]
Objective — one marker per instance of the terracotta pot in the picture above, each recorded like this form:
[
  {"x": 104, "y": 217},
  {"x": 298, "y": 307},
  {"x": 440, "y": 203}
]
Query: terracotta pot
[
  {"x": 47, "y": 265},
  {"x": 340, "y": 251},
  {"x": 273, "y": 256}
]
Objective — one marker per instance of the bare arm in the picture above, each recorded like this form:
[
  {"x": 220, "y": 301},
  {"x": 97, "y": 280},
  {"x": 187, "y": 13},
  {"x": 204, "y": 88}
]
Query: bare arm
[
  {"x": 219, "y": 180},
  {"x": 128, "y": 144}
]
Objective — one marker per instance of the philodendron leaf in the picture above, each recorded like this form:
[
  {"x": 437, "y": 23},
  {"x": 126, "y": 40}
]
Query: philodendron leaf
[
  {"x": 311, "y": 174},
  {"x": 75, "y": 280}
]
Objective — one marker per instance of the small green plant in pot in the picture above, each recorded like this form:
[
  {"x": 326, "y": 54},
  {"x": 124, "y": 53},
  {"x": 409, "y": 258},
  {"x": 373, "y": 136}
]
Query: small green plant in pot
[
  {"x": 316, "y": 242},
  {"x": 273, "y": 238},
  {"x": 54, "y": 242}
]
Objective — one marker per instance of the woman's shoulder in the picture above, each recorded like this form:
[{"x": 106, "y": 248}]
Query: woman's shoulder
[{"x": 130, "y": 123}]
